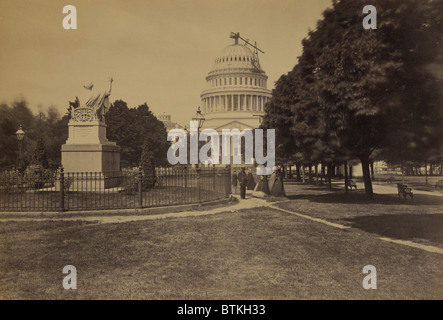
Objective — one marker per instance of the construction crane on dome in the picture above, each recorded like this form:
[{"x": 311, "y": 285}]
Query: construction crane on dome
[{"x": 236, "y": 36}]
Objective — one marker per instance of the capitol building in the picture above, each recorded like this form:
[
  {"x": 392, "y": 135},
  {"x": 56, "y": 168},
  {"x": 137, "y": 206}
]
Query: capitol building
[{"x": 236, "y": 91}]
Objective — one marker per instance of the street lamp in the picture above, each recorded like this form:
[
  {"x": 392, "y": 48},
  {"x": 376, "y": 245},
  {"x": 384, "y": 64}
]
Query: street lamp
[
  {"x": 198, "y": 121},
  {"x": 20, "y": 135}
]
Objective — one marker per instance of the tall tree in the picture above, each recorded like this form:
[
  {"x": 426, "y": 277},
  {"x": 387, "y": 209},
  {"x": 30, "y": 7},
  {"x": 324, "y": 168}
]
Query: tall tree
[
  {"x": 130, "y": 127},
  {"x": 371, "y": 89},
  {"x": 40, "y": 157}
]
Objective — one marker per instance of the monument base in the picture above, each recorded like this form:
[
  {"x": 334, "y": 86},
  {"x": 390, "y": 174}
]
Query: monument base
[
  {"x": 89, "y": 167},
  {"x": 90, "y": 161}
]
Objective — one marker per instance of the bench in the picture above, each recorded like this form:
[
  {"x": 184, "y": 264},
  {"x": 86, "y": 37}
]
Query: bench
[
  {"x": 352, "y": 184},
  {"x": 439, "y": 184},
  {"x": 404, "y": 191}
]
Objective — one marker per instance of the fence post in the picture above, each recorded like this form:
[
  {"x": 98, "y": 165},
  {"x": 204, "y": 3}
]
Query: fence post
[
  {"x": 228, "y": 181},
  {"x": 62, "y": 189},
  {"x": 213, "y": 178},
  {"x": 140, "y": 193},
  {"x": 198, "y": 184}
]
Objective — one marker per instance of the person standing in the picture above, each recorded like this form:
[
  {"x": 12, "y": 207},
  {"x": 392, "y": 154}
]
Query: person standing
[
  {"x": 278, "y": 189},
  {"x": 234, "y": 180},
  {"x": 243, "y": 181},
  {"x": 251, "y": 181}
]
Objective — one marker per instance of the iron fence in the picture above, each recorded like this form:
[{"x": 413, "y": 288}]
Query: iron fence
[{"x": 70, "y": 191}]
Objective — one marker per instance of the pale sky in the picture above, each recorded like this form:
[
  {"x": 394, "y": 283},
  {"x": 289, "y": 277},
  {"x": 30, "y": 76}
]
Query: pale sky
[{"x": 157, "y": 51}]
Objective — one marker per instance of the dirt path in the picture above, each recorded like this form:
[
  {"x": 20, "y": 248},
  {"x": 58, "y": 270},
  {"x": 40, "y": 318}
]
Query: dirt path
[{"x": 248, "y": 203}]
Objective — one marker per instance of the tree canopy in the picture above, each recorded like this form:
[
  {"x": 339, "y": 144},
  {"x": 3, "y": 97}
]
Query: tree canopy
[
  {"x": 132, "y": 128},
  {"x": 355, "y": 91}
]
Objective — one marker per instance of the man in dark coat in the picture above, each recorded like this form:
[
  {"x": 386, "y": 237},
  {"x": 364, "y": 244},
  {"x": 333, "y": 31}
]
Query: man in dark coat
[
  {"x": 234, "y": 180},
  {"x": 243, "y": 181}
]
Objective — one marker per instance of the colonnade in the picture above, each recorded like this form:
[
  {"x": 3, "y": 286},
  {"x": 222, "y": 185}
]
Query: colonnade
[{"x": 234, "y": 102}]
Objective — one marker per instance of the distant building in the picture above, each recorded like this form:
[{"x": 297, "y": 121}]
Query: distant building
[{"x": 169, "y": 124}]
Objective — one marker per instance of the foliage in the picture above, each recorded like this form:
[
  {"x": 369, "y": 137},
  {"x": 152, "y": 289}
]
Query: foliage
[
  {"x": 147, "y": 163},
  {"x": 129, "y": 127},
  {"x": 46, "y": 126},
  {"x": 131, "y": 178},
  {"x": 39, "y": 157},
  {"x": 37, "y": 177},
  {"x": 355, "y": 91}
]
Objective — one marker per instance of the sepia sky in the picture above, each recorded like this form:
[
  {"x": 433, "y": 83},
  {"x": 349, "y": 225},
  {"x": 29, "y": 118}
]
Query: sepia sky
[{"x": 157, "y": 51}]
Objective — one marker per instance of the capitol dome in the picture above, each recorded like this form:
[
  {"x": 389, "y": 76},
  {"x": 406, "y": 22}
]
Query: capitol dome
[
  {"x": 236, "y": 92},
  {"x": 236, "y": 58}
]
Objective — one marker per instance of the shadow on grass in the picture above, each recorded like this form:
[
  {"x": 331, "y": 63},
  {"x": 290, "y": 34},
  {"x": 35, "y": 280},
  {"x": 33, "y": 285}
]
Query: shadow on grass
[
  {"x": 359, "y": 197},
  {"x": 402, "y": 226}
]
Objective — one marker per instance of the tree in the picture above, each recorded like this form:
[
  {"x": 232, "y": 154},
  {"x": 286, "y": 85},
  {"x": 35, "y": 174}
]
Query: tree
[
  {"x": 40, "y": 157},
  {"x": 129, "y": 127},
  {"x": 367, "y": 90},
  {"x": 147, "y": 163},
  {"x": 278, "y": 116},
  {"x": 10, "y": 120}
]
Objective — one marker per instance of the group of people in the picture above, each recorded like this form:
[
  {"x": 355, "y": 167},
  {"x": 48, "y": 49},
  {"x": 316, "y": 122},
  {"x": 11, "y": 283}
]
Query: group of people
[
  {"x": 267, "y": 185},
  {"x": 244, "y": 180}
]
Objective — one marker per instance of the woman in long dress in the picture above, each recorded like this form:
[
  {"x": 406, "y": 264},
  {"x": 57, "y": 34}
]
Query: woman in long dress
[
  {"x": 251, "y": 181},
  {"x": 278, "y": 189},
  {"x": 261, "y": 189}
]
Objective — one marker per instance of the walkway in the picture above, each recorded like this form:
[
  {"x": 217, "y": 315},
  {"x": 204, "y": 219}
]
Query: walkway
[{"x": 249, "y": 203}]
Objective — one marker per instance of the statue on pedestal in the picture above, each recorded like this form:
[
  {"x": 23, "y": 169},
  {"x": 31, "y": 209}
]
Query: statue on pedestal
[
  {"x": 93, "y": 105},
  {"x": 87, "y": 148}
]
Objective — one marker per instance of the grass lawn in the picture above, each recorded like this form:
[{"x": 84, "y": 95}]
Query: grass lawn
[
  {"x": 250, "y": 254},
  {"x": 388, "y": 216},
  {"x": 416, "y": 182}
]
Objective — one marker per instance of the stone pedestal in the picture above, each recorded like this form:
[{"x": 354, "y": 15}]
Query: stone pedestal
[{"x": 87, "y": 150}]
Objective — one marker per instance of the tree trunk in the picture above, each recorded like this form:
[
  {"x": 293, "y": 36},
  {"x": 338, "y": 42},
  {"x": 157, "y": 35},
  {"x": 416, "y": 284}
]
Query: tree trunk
[
  {"x": 316, "y": 174},
  {"x": 402, "y": 174},
  {"x": 346, "y": 176},
  {"x": 372, "y": 171},
  {"x": 426, "y": 172},
  {"x": 297, "y": 171},
  {"x": 350, "y": 172},
  {"x": 330, "y": 175},
  {"x": 367, "y": 177},
  {"x": 310, "y": 173},
  {"x": 322, "y": 175},
  {"x": 303, "y": 173}
]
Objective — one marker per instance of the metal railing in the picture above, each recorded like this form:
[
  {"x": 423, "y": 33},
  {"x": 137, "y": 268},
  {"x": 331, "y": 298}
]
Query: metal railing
[{"x": 70, "y": 191}]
